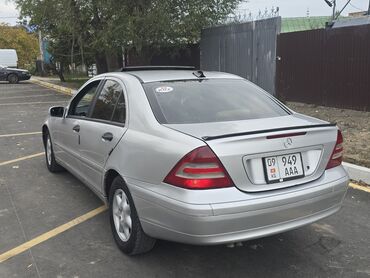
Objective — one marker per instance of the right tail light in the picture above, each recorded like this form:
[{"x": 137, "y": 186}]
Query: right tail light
[{"x": 337, "y": 155}]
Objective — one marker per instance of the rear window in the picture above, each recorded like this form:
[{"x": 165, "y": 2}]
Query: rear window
[{"x": 213, "y": 100}]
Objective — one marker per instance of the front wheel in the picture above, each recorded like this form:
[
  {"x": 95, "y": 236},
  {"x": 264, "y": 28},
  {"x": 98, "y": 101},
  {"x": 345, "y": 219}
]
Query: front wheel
[
  {"x": 13, "y": 78},
  {"x": 125, "y": 224},
  {"x": 52, "y": 165}
]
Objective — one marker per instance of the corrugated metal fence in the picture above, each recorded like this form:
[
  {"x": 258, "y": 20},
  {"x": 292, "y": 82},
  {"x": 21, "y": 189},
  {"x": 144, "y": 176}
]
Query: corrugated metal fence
[
  {"x": 246, "y": 49},
  {"x": 329, "y": 67}
]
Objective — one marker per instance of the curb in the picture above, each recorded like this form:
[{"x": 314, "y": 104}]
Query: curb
[
  {"x": 60, "y": 89},
  {"x": 357, "y": 173}
]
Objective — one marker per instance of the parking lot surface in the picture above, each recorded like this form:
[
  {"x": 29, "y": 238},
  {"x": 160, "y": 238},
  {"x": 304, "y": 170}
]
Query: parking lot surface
[{"x": 34, "y": 202}]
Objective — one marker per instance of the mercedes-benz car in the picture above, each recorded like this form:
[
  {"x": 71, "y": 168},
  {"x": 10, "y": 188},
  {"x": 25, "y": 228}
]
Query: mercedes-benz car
[
  {"x": 13, "y": 75},
  {"x": 195, "y": 157}
]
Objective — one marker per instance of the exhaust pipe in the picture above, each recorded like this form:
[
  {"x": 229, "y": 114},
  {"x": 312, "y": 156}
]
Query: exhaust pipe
[{"x": 235, "y": 244}]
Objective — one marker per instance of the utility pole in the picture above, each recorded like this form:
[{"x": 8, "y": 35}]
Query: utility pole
[
  {"x": 368, "y": 11},
  {"x": 41, "y": 53},
  {"x": 334, "y": 8},
  {"x": 332, "y": 4}
]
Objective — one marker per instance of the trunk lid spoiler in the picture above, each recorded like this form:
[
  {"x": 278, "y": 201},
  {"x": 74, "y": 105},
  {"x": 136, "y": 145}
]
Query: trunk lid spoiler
[{"x": 209, "y": 138}]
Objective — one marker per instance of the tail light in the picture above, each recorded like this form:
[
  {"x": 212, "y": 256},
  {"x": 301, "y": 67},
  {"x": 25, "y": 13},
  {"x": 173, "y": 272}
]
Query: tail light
[
  {"x": 199, "y": 169},
  {"x": 337, "y": 156}
]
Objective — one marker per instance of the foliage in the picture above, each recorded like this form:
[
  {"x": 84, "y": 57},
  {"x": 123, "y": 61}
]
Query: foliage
[
  {"x": 95, "y": 28},
  {"x": 25, "y": 44}
]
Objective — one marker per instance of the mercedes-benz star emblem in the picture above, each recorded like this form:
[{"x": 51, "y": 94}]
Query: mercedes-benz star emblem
[{"x": 288, "y": 143}]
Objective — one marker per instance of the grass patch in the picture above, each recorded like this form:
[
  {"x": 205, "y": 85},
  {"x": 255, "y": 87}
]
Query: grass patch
[{"x": 77, "y": 82}]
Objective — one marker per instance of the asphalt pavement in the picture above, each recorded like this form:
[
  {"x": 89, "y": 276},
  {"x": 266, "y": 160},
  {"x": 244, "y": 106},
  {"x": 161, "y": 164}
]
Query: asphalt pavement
[{"x": 34, "y": 202}]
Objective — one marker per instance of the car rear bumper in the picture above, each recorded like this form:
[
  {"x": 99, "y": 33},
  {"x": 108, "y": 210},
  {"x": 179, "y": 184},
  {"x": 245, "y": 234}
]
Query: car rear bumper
[{"x": 265, "y": 214}]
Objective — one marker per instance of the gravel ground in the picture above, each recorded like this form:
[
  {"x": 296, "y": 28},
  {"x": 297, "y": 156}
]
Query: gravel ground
[{"x": 355, "y": 126}]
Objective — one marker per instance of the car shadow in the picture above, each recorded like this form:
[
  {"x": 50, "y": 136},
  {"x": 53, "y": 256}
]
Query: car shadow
[{"x": 302, "y": 252}]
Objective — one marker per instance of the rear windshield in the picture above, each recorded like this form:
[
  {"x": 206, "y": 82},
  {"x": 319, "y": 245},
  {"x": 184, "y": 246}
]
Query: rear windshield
[{"x": 213, "y": 100}]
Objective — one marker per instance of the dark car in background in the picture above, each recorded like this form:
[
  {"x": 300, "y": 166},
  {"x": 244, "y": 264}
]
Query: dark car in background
[{"x": 13, "y": 75}]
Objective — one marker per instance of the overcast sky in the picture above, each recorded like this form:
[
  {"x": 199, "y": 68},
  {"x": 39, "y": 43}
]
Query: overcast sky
[
  {"x": 294, "y": 8},
  {"x": 288, "y": 8},
  {"x": 8, "y": 12}
]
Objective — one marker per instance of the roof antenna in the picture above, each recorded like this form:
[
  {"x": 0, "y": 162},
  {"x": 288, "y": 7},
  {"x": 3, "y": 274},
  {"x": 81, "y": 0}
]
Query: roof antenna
[{"x": 199, "y": 74}]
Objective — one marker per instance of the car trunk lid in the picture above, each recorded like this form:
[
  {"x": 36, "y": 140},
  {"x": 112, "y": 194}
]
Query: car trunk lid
[{"x": 244, "y": 146}]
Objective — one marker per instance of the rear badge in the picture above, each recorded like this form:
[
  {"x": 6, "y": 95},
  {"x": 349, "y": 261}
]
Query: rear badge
[
  {"x": 164, "y": 89},
  {"x": 288, "y": 143}
]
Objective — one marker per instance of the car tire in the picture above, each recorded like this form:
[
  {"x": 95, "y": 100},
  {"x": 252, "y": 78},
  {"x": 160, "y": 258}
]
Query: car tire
[
  {"x": 125, "y": 224},
  {"x": 51, "y": 163},
  {"x": 13, "y": 78}
]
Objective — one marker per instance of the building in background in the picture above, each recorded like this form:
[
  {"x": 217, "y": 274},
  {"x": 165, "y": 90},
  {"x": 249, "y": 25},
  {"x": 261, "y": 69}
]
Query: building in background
[
  {"x": 295, "y": 24},
  {"x": 352, "y": 21}
]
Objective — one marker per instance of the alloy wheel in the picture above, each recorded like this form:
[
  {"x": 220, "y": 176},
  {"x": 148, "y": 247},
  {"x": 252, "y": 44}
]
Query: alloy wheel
[
  {"x": 48, "y": 150},
  {"x": 122, "y": 215}
]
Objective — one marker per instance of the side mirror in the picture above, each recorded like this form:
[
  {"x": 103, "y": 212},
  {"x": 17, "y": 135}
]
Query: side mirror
[{"x": 57, "y": 111}]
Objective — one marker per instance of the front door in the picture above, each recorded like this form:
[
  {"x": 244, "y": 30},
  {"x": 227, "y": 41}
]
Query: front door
[{"x": 67, "y": 136}]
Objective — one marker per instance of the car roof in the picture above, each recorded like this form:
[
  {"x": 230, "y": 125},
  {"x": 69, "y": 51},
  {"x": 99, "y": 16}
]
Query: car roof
[{"x": 147, "y": 76}]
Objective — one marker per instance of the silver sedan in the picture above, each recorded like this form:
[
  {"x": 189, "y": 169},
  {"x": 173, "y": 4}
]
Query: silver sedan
[{"x": 195, "y": 157}]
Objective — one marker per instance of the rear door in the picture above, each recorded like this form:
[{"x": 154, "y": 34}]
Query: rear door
[{"x": 101, "y": 133}]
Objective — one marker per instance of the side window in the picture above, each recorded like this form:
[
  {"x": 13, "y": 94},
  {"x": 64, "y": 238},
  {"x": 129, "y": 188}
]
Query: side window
[
  {"x": 81, "y": 106},
  {"x": 119, "y": 114},
  {"x": 110, "y": 104}
]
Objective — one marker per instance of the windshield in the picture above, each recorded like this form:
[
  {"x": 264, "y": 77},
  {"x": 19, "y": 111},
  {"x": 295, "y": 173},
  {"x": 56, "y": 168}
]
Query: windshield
[{"x": 213, "y": 100}]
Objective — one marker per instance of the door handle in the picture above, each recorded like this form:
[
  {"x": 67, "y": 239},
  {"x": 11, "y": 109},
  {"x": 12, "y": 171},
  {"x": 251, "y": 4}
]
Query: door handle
[
  {"x": 107, "y": 136},
  {"x": 76, "y": 128}
]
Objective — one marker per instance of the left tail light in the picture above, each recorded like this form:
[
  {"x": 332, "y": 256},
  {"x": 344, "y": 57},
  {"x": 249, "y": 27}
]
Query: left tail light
[{"x": 199, "y": 169}]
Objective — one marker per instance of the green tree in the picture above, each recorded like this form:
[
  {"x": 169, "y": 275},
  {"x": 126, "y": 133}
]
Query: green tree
[
  {"x": 25, "y": 44},
  {"x": 97, "y": 29}
]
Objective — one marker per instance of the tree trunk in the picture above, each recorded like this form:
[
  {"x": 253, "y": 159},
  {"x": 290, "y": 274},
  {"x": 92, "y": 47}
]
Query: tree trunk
[
  {"x": 60, "y": 73},
  {"x": 84, "y": 69},
  {"x": 56, "y": 71},
  {"x": 72, "y": 52}
]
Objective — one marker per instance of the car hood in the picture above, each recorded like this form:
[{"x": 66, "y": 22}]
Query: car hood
[{"x": 207, "y": 130}]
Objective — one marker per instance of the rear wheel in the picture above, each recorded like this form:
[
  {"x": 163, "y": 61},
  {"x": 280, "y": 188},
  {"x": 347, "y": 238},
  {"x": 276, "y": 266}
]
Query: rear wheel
[
  {"x": 13, "y": 78},
  {"x": 125, "y": 223},
  {"x": 52, "y": 165}
]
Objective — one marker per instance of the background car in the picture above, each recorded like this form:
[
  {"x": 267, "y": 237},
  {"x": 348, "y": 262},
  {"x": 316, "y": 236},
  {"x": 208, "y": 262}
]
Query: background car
[
  {"x": 9, "y": 58},
  {"x": 13, "y": 75},
  {"x": 195, "y": 157}
]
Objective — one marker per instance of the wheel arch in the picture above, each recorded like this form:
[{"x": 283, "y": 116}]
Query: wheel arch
[
  {"x": 109, "y": 176},
  {"x": 45, "y": 131}
]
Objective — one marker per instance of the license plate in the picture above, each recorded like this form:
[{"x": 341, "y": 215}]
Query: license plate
[{"x": 283, "y": 167}]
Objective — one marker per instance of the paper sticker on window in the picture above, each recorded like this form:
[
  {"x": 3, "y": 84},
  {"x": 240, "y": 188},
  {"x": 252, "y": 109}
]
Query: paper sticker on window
[{"x": 164, "y": 89}]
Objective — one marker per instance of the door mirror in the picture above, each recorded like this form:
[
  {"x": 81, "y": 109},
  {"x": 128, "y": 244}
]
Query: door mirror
[{"x": 57, "y": 111}]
